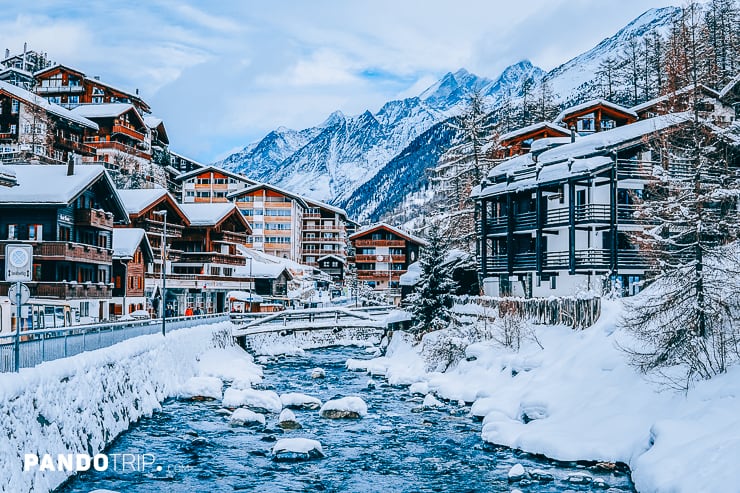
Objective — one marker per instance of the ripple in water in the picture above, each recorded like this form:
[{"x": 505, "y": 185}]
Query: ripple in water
[{"x": 398, "y": 447}]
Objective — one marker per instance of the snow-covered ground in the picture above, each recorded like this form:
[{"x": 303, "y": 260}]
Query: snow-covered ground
[
  {"x": 80, "y": 404},
  {"x": 578, "y": 399}
]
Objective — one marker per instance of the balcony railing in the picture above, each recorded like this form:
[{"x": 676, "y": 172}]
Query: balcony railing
[
  {"x": 8, "y": 136},
  {"x": 118, "y": 146},
  {"x": 212, "y": 258},
  {"x": 321, "y": 239},
  {"x": 388, "y": 243},
  {"x": 75, "y": 145},
  {"x": 128, "y": 131},
  {"x": 60, "y": 89},
  {"x": 65, "y": 290},
  {"x": 379, "y": 274},
  {"x": 398, "y": 259},
  {"x": 64, "y": 251},
  {"x": 94, "y": 218}
]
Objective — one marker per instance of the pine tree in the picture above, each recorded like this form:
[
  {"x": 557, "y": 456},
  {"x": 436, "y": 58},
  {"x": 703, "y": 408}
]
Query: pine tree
[
  {"x": 460, "y": 168},
  {"x": 432, "y": 299},
  {"x": 686, "y": 322}
]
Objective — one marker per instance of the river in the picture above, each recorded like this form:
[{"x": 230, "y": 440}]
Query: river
[{"x": 398, "y": 447}]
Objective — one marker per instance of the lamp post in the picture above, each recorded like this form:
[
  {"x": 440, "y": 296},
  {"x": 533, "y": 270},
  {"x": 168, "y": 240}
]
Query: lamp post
[
  {"x": 251, "y": 281},
  {"x": 164, "y": 268}
]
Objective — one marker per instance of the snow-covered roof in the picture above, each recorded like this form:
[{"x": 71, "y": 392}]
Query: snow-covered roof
[
  {"x": 592, "y": 104},
  {"x": 585, "y": 155},
  {"x": 666, "y": 97},
  {"x": 549, "y": 142},
  {"x": 394, "y": 229},
  {"x": 7, "y": 176},
  {"x": 36, "y": 100},
  {"x": 533, "y": 128},
  {"x": 137, "y": 200},
  {"x": 334, "y": 257},
  {"x": 215, "y": 169},
  {"x": 106, "y": 110},
  {"x": 207, "y": 214},
  {"x": 127, "y": 240},
  {"x": 92, "y": 80},
  {"x": 244, "y": 296},
  {"x": 726, "y": 90},
  {"x": 152, "y": 121},
  {"x": 49, "y": 183},
  {"x": 324, "y": 205},
  {"x": 258, "y": 186}
]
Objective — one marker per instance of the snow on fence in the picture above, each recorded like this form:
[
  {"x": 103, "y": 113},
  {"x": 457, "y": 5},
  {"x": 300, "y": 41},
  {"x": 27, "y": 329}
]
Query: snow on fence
[
  {"x": 38, "y": 346},
  {"x": 576, "y": 312}
]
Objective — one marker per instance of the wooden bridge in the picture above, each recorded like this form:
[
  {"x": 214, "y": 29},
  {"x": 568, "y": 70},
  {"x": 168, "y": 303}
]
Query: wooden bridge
[{"x": 312, "y": 328}]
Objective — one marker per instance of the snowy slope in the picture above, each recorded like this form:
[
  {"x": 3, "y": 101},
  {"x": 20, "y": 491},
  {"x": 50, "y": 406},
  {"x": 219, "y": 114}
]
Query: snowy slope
[{"x": 346, "y": 157}]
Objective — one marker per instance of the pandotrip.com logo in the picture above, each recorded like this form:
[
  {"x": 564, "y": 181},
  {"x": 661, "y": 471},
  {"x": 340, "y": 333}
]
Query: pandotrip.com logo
[{"x": 117, "y": 463}]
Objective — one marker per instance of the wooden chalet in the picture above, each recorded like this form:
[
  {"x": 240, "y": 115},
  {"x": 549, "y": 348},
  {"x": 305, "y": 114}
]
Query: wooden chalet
[
  {"x": 132, "y": 255},
  {"x": 209, "y": 184},
  {"x": 33, "y": 128},
  {"x": 595, "y": 116},
  {"x": 520, "y": 141},
  {"x": 67, "y": 213},
  {"x": 324, "y": 233},
  {"x": 121, "y": 139},
  {"x": 382, "y": 253},
  {"x": 70, "y": 87}
]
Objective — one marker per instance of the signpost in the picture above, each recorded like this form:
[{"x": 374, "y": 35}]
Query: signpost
[{"x": 18, "y": 264}]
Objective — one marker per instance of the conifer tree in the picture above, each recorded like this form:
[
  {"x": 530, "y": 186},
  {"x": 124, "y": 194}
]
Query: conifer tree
[{"x": 432, "y": 298}]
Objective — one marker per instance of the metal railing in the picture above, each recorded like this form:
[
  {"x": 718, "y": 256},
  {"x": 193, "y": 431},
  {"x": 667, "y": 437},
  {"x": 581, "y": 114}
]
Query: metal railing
[{"x": 38, "y": 346}]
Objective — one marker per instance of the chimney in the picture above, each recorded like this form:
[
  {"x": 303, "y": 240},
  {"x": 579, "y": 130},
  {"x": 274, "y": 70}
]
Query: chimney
[
  {"x": 7, "y": 53},
  {"x": 137, "y": 91},
  {"x": 96, "y": 77},
  {"x": 572, "y": 134},
  {"x": 71, "y": 164}
]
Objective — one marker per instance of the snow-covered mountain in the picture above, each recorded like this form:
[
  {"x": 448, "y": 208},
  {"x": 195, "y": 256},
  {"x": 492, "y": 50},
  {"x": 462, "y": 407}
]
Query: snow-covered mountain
[{"x": 368, "y": 163}]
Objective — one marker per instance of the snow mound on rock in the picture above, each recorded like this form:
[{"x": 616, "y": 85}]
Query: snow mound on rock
[
  {"x": 201, "y": 388},
  {"x": 346, "y": 407},
  {"x": 245, "y": 417},
  {"x": 256, "y": 400},
  {"x": 296, "y": 400}
]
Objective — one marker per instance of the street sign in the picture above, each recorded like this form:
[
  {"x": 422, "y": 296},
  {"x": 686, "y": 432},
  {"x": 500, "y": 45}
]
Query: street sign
[
  {"x": 18, "y": 262},
  {"x": 13, "y": 293}
]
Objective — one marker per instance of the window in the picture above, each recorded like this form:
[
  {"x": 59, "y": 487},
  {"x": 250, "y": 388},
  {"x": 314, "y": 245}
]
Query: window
[
  {"x": 215, "y": 271},
  {"x": 13, "y": 128},
  {"x": 37, "y": 272},
  {"x": 15, "y": 106},
  {"x": 190, "y": 193},
  {"x": 553, "y": 282},
  {"x": 204, "y": 181},
  {"x": 35, "y": 232},
  {"x": 12, "y": 231},
  {"x": 64, "y": 234},
  {"x": 97, "y": 100},
  {"x": 54, "y": 99},
  {"x": 73, "y": 100},
  {"x": 204, "y": 194}
]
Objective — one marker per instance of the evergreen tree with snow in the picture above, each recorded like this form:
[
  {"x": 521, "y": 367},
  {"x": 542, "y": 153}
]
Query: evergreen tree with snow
[
  {"x": 687, "y": 322},
  {"x": 432, "y": 298}
]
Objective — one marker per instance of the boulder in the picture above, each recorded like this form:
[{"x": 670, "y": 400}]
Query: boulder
[
  {"x": 245, "y": 417},
  {"x": 288, "y": 421},
  {"x": 344, "y": 408},
  {"x": 295, "y": 400},
  {"x": 431, "y": 402},
  {"x": 318, "y": 373},
  {"x": 516, "y": 473},
  {"x": 263, "y": 401},
  {"x": 296, "y": 449}
]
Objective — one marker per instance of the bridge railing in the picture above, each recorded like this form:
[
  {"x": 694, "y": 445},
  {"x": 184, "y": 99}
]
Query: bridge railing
[{"x": 38, "y": 346}]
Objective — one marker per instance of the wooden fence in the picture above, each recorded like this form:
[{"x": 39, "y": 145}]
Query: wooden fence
[{"x": 579, "y": 313}]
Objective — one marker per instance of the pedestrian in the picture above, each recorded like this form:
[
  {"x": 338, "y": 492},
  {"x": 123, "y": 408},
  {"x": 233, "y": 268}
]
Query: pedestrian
[
  {"x": 189, "y": 311},
  {"x": 197, "y": 311}
]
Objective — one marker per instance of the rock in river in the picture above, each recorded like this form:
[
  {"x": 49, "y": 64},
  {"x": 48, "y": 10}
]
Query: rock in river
[
  {"x": 296, "y": 449},
  {"x": 344, "y": 408}
]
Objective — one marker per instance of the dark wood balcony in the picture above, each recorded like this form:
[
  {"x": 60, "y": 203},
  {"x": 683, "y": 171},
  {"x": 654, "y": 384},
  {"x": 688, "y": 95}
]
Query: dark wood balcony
[
  {"x": 212, "y": 258},
  {"x": 128, "y": 131},
  {"x": 64, "y": 290},
  {"x": 62, "y": 251},
  {"x": 379, "y": 243},
  {"x": 94, "y": 218}
]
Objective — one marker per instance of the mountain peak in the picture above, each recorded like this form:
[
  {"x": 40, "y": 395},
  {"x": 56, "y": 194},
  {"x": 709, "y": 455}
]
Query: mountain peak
[{"x": 335, "y": 118}]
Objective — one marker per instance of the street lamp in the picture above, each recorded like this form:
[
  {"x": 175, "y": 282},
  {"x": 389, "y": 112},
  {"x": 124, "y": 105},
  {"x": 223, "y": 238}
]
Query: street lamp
[
  {"x": 164, "y": 268},
  {"x": 251, "y": 281}
]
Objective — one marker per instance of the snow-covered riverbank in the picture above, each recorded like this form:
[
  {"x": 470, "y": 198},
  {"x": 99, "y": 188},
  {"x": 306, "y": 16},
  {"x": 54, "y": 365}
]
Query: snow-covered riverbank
[
  {"x": 578, "y": 399},
  {"x": 80, "y": 404}
]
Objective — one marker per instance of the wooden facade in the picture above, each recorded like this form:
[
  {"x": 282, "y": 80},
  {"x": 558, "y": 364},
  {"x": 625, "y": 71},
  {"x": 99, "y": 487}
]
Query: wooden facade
[
  {"x": 383, "y": 253},
  {"x": 211, "y": 185},
  {"x": 520, "y": 141},
  {"x": 70, "y": 87},
  {"x": 595, "y": 116}
]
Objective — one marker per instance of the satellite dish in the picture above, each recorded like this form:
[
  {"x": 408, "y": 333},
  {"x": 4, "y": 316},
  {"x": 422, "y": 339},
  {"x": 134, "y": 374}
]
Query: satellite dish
[{"x": 379, "y": 258}]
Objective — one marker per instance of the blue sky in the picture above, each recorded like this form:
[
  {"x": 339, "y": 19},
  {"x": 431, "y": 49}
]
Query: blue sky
[{"x": 223, "y": 74}]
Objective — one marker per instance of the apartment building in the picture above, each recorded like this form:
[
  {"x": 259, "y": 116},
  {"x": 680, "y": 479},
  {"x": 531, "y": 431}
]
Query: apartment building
[{"x": 209, "y": 184}]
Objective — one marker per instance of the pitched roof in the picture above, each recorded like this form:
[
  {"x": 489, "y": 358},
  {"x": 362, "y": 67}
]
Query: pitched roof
[
  {"x": 394, "y": 229},
  {"x": 666, "y": 97},
  {"x": 215, "y": 169},
  {"x": 592, "y": 104},
  {"x": 325, "y": 257},
  {"x": 106, "y": 110},
  {"x": 49, "y": 183},
  {"x": 36, "y": 100},
  {"x": 279, "y": 190},
  {"x": 533, "y": 128},
  {"x": 212, "y": 214},
  {"x": 138, "y": 200},
  {"x": 127, "y": 240},
  {"x": 324, "y": 205},
  {"x": 726, "y": 90}
]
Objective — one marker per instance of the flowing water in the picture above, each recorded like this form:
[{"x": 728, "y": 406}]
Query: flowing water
[{"x": 398, "y": 447}]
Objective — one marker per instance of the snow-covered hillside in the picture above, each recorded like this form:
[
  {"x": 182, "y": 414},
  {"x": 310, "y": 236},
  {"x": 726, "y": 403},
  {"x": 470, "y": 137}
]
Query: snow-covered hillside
[{"x": 332, "y": 161}]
